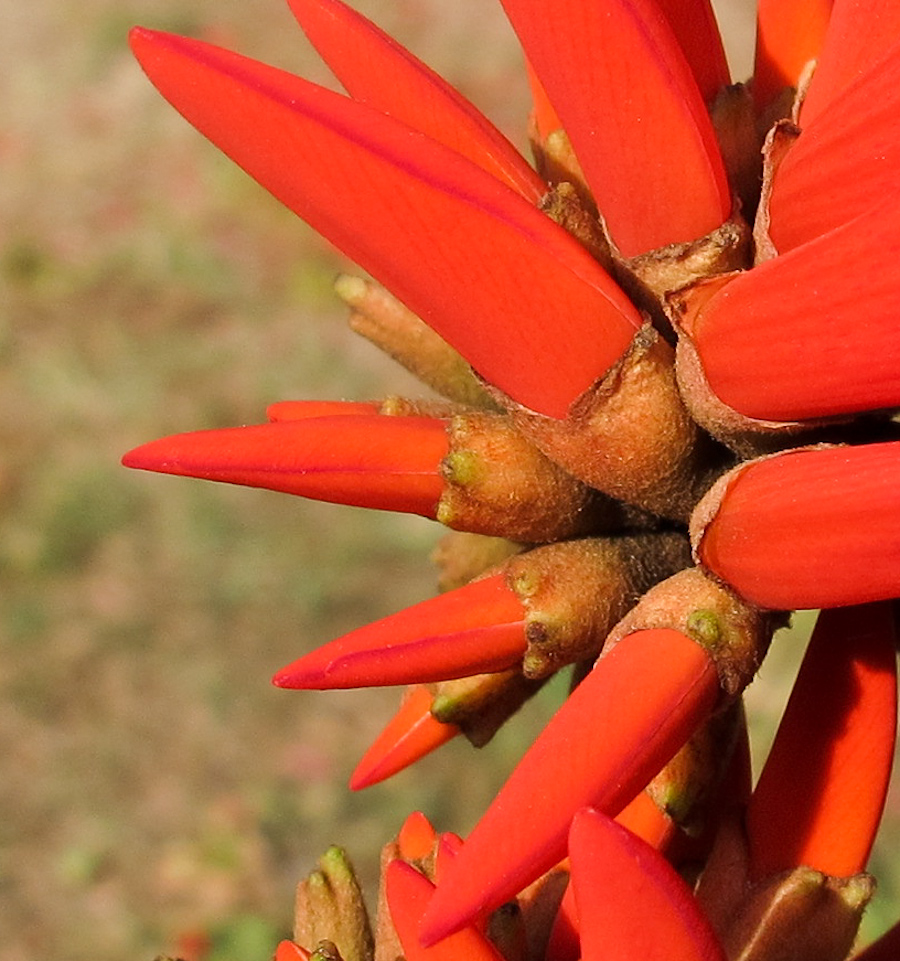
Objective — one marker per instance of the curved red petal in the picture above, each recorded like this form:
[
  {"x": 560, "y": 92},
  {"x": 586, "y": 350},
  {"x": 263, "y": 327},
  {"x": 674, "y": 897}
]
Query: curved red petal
[
  {"x": 289, "y": 951},
  {"x": 810, "y": 528},
  {"x": 377, "y": 70},
  {"x": 474, "y": 629},
  {"x": 307, "y": 409},
  {"x": 388, "y": 463},
  {"x": 844, "y": 163},
  {"x": 631, "y": 107},
  {"x": 694, "y": 24},
  {"x": 859, "y": 34},
  {"x": 603, "y": 746},
  {"x": 835, "y": 743},
  {"x": 632, "y": 904},
  {"x": 417, "y": 837},
  {"x": 812, "y": 333},
  {"x": 789, "y": 33},
  {"x": 408, "y": 894},
  {"x": 471, "y": 257},
  {"x": 411, "y": 733}
]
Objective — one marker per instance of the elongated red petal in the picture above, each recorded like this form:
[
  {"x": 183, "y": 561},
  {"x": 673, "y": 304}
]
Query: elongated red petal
[
  {"x": 416, "y": 838},
  {"x": 408, "y": 894},
  {"x": 640, "y": 703},
  {"x": 411, "y": 733},
  {"x": 632, "y": 904},
  {"x": 844, "y": 163},
  {"x": 802, "y": 336},
  {"x": 820, "y": 796},
  {"x": 308, "y": 409},
  {"x": 694, "y": 24},
  {"x": 627, "y": 98},
  {"x": 471, "y": 257},
  {"x": 789, "y": 33},
  {"x": 289, "y": 951},
  {"x": 476, "y": 629},
  {"x": 389, "y": 463},
  {"x": 809, "y": 529},
  {"x": 376, "y": 70},
  {"x": 859, "y": 34}
]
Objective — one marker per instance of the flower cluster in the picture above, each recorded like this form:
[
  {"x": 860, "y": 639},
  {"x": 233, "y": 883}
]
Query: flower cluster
[{"x": 668, "y": 361}]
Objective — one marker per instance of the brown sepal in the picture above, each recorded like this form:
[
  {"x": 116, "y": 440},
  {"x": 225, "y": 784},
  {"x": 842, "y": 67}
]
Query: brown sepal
[
  {"x": 779, "y": 141},
  {"x": 460, "y": 557}
]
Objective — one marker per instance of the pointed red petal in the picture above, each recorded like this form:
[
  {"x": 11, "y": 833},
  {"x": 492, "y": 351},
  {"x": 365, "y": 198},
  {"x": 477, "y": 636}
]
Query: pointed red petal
[
  {"x": 475, "y": 629},
  {"x": 408, "y": 894},
  {"x": 416, "y": 838},
  {"x": 820, "y": 796},
  {"x": 632, "y": 903},
  {"x": 789, "y": 33},
  {"x": 640, "y": 703},
  {"x": 376, "y": 70},
  {"x": 844, "y": 163},
  {"x": 307, "y": 409},
  {"x": 389, "y": 463},
  {"x": 858, "y": 36},
  {"x": 810, "y": 528},
  {"x": 694, "y": 24},
  {"x": 289, "y": 951},
  {"x": 802, "y": 336},
  {"x": 477, "y": 262},
  {"x": 412, "y": 733},
  {"x": 630, "y": 105}
]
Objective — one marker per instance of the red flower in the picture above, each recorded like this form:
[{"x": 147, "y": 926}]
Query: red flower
[{"x": 544, "y": 305}]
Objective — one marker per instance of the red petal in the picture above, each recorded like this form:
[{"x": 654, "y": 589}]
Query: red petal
[
  {"x": 629, "y": 103},
  {"x": 694, "y": 24},
  {"x": 475, "y": 629},
  {"x": 835, "y": 743},
  {"x": 307, "y": 409},
  {"x": 389, "y": 463},
  {"x": 640, "y": 703},
  {"x": 844, "y": 163},
  {"x": 376, "y": 70},
  {"x": 632, "y": 903},
  {"x": 408, "y": 894},
  {"x": 789, "y": 33},
  {"x": 477, "y": 262},
  {"x": 859, "y": 34},
  {"x": 417, "y": 837},
  {"x": 288, "y": 951},
  {"x": 812, "y": 333},
  {"x": 808, "y": 529},
  {"x": 643, "y": 818},
  {"x": 412, "y": 733}
]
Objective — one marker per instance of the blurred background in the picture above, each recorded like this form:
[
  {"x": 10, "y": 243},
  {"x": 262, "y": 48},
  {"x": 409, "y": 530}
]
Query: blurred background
[{"x": 155, "y": 790}]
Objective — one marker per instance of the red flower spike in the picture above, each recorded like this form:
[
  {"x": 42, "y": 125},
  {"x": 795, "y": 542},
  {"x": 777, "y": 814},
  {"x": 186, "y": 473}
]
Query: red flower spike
[
  {"x": 288, "y": 951},
  {"x": 308, "y": 409},
  {"x": 388, "y": 463},
  {"x": 858, "y": 36},
  {"x": 818, "y": 185},
  {"x": 789, "y": 33},
  {"x": 408, "y": 894},
  {"x": 603, "y": 746},
  {"x": 376, "y": 70},
  {"x": 819, "y": 799},
  {"x": 800, "y": 336},
  {"x": 430, "y": 225},
  {"x": 632, "y": 903},
  {"x": 476, "y": 629},
  {"x": 412, "y": 733},
  {"x": 808, "y": 528},
  {"x": 632, "y": 110},
  {"x": 417, "y": 837},
  {"x": 697, "y": 32}
]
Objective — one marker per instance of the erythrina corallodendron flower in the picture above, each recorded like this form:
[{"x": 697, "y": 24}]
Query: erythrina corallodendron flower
[{"x": 668, "y": 367}]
